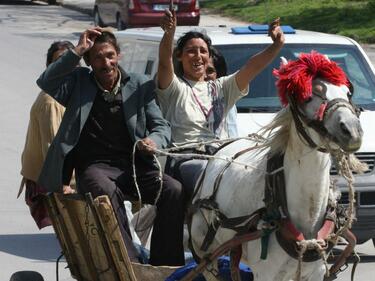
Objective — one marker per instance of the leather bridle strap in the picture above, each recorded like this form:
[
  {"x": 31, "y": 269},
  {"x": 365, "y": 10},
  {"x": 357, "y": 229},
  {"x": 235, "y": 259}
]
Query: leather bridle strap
[
  {"x": 298, "y": 123},
  {"x": 331, "y": 106},
  {"x": 342, "y": 259}
]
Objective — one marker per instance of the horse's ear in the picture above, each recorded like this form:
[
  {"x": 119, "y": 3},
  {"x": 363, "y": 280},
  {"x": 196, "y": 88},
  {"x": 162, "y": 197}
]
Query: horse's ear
[{"x": 283, "y": 61}]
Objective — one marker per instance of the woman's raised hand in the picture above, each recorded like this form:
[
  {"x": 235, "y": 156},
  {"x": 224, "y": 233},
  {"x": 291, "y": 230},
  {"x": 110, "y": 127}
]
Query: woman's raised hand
[
  {"x": 168, "y": 22},
  {"x": 276, "y": 33}
]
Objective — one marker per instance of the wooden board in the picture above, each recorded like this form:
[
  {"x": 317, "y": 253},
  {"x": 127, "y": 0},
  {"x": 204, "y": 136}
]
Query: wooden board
[{"x": 91, "y": 241}]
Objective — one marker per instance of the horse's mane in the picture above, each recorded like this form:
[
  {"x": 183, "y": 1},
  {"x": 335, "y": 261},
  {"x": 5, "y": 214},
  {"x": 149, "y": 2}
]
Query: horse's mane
[
  {"x": 295, "y": 77},
  {"x": 277, "y": 131}
]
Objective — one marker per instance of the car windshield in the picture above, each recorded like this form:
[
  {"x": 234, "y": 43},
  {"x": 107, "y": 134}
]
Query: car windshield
[{"x": 263, "y": 95}]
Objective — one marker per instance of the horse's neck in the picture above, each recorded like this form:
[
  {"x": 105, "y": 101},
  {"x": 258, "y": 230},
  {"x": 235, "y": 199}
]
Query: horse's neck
[{"x": 307, "y": 184}]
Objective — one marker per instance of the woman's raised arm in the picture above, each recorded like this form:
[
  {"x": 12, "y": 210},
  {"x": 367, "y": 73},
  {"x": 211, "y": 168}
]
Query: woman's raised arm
[
  {"x": 165, "y": 68},
  {"x": 259, "y": 61}
]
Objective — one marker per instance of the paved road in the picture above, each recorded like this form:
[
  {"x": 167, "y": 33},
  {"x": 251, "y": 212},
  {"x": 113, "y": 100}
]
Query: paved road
[{"x": 26, "y": 33}]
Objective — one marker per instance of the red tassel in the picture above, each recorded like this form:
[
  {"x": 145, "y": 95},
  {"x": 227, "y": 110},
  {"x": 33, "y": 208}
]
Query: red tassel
[{"x": 320, "y": 112}]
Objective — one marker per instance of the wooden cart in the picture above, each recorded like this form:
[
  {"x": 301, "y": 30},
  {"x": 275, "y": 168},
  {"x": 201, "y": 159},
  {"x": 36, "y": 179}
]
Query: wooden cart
[{"x": 91, "y": 241}]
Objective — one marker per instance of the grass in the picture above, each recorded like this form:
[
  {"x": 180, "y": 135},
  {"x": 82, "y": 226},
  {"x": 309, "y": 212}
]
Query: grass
[{"x": 350, "y": 18}]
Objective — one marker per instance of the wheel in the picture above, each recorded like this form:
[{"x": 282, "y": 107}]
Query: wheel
[
  {"x": 119, "y": 23},
  {"x": 26, "y": 276},
  {"x": 52, "y": 2},
  {"x": 97, "y": 20}
]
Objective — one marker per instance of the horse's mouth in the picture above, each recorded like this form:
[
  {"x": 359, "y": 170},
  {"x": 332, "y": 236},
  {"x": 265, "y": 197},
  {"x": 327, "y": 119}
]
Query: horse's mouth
[{"x": 350, "y": 146}]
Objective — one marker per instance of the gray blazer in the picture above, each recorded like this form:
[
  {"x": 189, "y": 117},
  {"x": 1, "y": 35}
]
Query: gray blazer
[{"x": 75, "y": 88}]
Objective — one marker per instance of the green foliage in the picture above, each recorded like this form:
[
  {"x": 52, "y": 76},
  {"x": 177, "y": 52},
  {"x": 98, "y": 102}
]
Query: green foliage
[
  {"x": 371, "y": 5},
  {"x": 351, "y": 18}
]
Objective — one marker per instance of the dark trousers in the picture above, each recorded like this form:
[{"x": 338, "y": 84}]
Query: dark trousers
[
  {"x": 186, "y": 170},
  {"x": 117, "y": 182}
]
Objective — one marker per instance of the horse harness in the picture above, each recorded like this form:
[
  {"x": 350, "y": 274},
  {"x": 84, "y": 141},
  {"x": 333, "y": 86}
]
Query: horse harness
[
  {"x": 273, "y": 217},
  {"x": 326, "y": 108}
]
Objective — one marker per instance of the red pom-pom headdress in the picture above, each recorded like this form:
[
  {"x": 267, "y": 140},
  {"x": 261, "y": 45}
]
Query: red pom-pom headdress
[{"x": 295, "y": 77}]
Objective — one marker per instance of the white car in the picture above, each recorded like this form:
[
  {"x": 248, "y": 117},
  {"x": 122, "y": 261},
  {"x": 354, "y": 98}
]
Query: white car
[{"x": 140, "y": 54}]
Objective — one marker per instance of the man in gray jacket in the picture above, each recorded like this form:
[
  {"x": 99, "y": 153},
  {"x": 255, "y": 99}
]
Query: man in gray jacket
[{"x": 107, "y": 112}]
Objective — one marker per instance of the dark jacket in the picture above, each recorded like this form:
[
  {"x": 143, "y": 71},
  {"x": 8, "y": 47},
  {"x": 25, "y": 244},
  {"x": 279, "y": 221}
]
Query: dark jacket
[{"x": 75, "y": 88}]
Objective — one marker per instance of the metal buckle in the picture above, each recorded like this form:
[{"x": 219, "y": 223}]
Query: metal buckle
[
  {"x": 343, "y": 267},
  {"x": 210, "y": 268}
]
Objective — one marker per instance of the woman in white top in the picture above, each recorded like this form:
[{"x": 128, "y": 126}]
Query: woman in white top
[
  {"x": 194, "y": 107},
  {"x": 191, "y": 104}
]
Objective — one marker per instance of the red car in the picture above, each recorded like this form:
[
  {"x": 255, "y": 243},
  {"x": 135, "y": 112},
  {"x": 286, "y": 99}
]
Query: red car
[{"x": 140, "y": 13}]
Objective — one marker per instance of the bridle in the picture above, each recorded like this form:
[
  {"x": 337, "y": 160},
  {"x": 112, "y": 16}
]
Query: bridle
[{"x": 327, "y": 108}]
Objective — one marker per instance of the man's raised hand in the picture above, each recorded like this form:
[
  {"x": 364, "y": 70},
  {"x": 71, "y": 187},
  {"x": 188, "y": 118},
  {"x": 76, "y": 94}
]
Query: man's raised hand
[{"x": 87, "y": 39}]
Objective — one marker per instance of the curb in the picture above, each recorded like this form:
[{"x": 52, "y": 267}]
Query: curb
[{"x": 76, "y": 7}]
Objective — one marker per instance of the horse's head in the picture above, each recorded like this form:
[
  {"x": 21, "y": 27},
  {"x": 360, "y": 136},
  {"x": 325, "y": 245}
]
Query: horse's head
[{"x": 319, "y": 94}]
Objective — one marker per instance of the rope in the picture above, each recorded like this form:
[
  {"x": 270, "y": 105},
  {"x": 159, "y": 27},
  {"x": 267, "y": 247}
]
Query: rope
[
  {"x": 135, "y": 177},
  {"x": 343, "y": 167},
  {"x": 190, "y": 145},
  {"x": 312, "y": 244},
  {"x": 199, "y": 144}
]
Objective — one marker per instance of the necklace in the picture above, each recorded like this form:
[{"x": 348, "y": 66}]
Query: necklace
[{"x": 206, "y": 111}]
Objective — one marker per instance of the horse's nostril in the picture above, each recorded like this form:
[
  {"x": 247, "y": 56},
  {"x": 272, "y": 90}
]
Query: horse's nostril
[{"x": 344, "y": 129}]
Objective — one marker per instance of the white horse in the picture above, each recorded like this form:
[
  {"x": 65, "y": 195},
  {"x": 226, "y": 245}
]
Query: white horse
[{"x": 317, "y": 90}]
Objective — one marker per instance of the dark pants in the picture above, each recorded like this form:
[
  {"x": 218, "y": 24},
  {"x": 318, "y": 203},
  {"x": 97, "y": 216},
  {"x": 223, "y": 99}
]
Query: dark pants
[
  {"x": 117, "y": 182},
  {"x": 186, "y": 170}
]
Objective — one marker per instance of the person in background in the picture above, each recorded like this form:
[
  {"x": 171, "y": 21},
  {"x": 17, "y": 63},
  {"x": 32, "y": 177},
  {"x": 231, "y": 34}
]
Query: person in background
[
  {"x": 216, "y": 68},
  {"x": 108, "y": 113},
  {"x": 45, "y": 118}
]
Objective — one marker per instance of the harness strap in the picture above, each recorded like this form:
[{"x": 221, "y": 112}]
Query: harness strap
[
  {"x": 275, "y": 194},
  {"x": 235, "y": 258},
  {"x": 298, "y": 123},
  {"x": 326, "y": 230},
  {"x": 200, "y": 180},
  {"x": 222, "y": 249},
  {"x": 220, "y": 175},
  {"x": 342, "y": 259},
  {"x": 240, "y": 225},
  {"x": 288, "y": 236}
]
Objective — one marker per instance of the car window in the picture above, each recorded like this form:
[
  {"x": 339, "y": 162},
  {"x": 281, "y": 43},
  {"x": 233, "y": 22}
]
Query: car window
[
  {"x": 263, "y": 94},
  {"x": 139, "y": 57}
]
